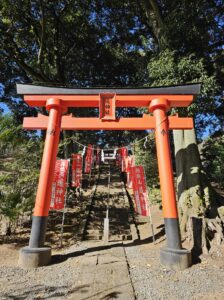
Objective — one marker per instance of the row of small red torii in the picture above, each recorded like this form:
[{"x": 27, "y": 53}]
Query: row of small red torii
[{"x": 135, "y": 177}]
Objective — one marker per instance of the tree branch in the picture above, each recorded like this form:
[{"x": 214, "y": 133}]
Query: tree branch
[
  {"x": 42, "y": 38},
  {"x": 147, "y": 19},
  {"x": 15, "y": 54},
  {"x": 31, "y": 22},
  {"x": 157, "y": 13},
  {"x": 60, "y": 70},
  {"x": 30, "y": 71},
  {"x": 152, "y": 11}
]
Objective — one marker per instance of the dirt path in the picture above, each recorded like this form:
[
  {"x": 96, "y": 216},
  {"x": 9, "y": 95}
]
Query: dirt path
[{"x": 120, "y": 269}]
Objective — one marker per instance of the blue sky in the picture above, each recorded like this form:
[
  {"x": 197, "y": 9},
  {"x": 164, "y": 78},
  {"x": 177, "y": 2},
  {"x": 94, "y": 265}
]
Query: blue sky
[{"x": 2, "y": 105}]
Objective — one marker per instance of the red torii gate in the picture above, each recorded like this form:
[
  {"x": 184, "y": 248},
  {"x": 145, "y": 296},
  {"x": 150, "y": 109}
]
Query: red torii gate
[{"x": 57, "y": 99}]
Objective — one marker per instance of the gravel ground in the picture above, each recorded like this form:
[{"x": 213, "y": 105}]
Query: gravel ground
[
  {"x": 53, "y": 282},
  {"x": 73, "y": 278},
  {"x": 153, "y": 281},
  {"x": 89, "y": 271}
]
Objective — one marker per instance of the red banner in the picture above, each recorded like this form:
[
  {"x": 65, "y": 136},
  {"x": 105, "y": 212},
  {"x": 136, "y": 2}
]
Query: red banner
[
  {"x": 89, "y": 159},
  {"x": 140, "y": 190},
  {"x": 59, "y": 184},
  {"x": 130, "y": 162},
  {"x": 124, "y": 154},
  {"x": 88, "y": 164},
  {"x": 76, "y": 170}
]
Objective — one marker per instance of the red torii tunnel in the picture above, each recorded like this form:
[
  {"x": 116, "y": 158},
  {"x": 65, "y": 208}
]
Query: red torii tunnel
[{"x": 57, "y": 99}]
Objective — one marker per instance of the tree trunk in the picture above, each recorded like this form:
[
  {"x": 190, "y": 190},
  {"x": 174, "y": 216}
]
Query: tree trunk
[
  {"x": 155, "y": 20},
  {"x": 68, "y": 145},
  {"x": 197, "y": 201}
]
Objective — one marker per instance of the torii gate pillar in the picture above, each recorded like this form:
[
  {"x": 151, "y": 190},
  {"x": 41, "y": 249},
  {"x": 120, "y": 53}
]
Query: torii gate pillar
[
  {"x": 36, "y": 254},
  {"x": 173, "y": 255}
]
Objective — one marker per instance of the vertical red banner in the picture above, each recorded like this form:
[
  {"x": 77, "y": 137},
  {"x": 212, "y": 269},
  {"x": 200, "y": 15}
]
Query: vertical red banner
[
  {"x": 130, "y": 162},
  {"x": 59, "y": 184},
  {"x": 140, "y": 190},
  {"x": 76, "y": 170},
  {"x": 89, "y": 159},
  {"x": 124, "y": 154}
]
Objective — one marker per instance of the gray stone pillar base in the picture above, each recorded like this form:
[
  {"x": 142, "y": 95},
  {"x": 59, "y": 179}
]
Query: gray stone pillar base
[
  {"x": 34, "y": 257},
  {"x": 176, "y": 259}
]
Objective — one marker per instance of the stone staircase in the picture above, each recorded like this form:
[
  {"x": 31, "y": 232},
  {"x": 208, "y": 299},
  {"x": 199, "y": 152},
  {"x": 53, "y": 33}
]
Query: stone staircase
[{"x": 119, "y": 210}]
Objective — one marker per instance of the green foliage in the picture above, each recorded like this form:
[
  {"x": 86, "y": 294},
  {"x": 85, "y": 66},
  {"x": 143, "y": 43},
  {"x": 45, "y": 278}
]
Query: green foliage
[
  {"x": 19, "y": 169},
  {"x": 80, "y": 43},
  {"x": 145, "y": 155},
  {"x": 109, "y": 43},
  {"x": 189, "y": 27},
  {"x": 169, "y": 67},
  {"x": 10, "y": 205},
  {"x": 9, "y": 135},
  {"x": 213, "y": 157}
]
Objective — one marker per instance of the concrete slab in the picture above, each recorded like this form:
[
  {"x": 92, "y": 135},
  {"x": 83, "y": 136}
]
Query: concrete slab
[{"x": 104, "y": 275}]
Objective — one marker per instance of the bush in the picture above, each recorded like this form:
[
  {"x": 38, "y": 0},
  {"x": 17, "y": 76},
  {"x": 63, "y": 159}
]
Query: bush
[{"x": 213, "y": 158}]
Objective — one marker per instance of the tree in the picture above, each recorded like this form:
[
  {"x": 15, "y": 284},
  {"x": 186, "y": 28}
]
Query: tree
[
  {"x": 83, "y": 43},
  {"x": 75, "y": 43},
  {"x": 185, "y": 60},
  {"x": 19, "y": 167}
]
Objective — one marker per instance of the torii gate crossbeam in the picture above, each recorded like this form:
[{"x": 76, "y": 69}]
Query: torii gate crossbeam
[
  {"x": 73, "y": 123},
  {"x": 56, "y": 100}
]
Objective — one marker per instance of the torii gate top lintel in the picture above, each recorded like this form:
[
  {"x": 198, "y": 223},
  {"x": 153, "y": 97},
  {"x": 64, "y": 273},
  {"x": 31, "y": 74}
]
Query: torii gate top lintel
[{"x": 177, "y": 95}]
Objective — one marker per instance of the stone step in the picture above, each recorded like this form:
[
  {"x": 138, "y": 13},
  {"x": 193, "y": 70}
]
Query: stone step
[
  {"x": 92, "y": 231},
  {"x": 114, "y": 233},
  {"x": 117, "y": 237},
  {"x": 93, "y": 237},
  {"x": 114, "y": 224}
]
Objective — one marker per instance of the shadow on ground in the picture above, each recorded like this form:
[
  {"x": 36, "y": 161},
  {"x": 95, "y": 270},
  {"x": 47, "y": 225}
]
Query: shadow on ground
[
  {"x": 59, "y": 258},
  {"x": 45, "y": 292}
]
